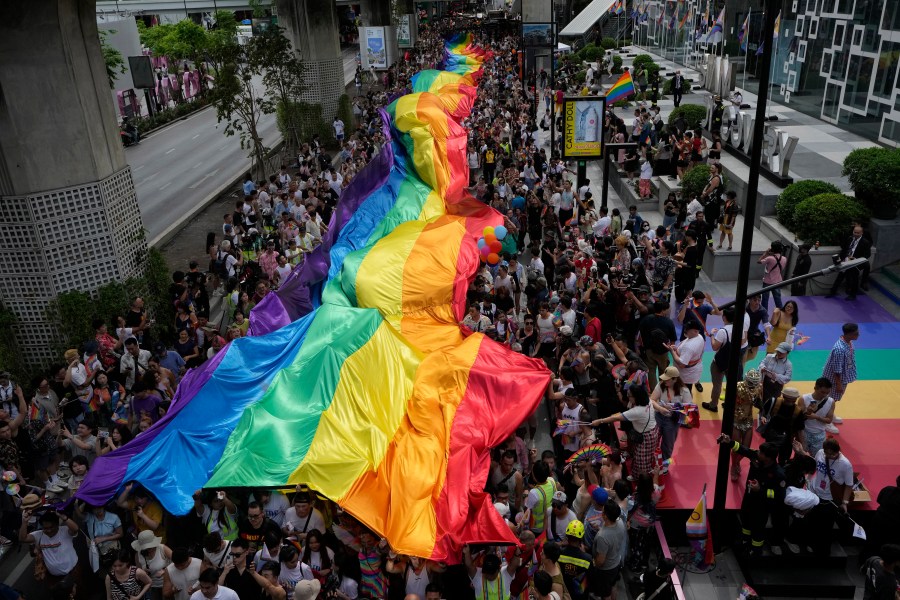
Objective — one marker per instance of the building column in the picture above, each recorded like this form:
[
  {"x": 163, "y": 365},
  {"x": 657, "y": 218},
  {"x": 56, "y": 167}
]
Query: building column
[
  {"x": 375, "y": 13},
  {"x": 312, "y": 27},
  {"x": 69, "y": 217}
]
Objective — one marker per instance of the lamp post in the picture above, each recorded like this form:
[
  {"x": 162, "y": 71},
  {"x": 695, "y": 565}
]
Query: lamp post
[{"x": 740, "y": 301}]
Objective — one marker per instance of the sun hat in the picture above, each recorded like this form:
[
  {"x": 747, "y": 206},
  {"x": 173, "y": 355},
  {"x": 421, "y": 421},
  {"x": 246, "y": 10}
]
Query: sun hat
[
  {"x": 145, "y": 541},
  {"x": 784, "y": 347},
  {"x": 31, "y": 501},
  {"x": 790, "y": 392},
  {"x": 307, "y": 589}
]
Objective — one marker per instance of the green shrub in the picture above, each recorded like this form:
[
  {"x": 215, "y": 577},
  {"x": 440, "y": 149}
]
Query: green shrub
[
  {"x": 591, "y": 53},
  {"x": 608, "y": 43},
  {"x": 642, "y": 60},
  {"x": 617, "y": 64},
  {"x": 694, "y": 181},
  {"x": 580, "y": 76},
  {"x": 874, "y": 174},
  {"x": 694, "y": 114},
  {"x": 796, "y": 193},
  {"x": 824, "y": 218},
  {"x": 626, "y": 42}
]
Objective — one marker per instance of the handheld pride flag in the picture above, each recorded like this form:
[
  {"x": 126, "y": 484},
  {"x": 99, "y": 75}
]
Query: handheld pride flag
[
  {"x": 621, "y": 89},
  {"x": 590, "y": 453},
  {"x": 700, "y": 535}
]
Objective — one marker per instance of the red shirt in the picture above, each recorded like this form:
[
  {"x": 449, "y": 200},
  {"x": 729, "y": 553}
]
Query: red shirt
[{"x": 593, "y": 329}]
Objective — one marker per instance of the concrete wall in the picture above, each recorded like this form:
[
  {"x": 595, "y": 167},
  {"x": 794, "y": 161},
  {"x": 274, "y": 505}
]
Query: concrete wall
[
  {"x": 537, "y": 11},
  {"x": 123, "y": 36},
  {"x": 58, "y": 123}
]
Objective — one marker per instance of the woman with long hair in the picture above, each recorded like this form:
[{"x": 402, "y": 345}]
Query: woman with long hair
[
  {"x": 670, "y": 390},
  {"x": 125, "y": 581},
  {"x": 783, "y": 321}
]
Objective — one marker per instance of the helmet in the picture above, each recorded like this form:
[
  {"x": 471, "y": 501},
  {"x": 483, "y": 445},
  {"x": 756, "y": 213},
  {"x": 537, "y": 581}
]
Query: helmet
[{"x": 575, "y": 529}]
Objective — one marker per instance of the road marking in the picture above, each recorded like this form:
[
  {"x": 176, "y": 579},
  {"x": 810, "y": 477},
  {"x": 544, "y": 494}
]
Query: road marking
[
  {"x": 20, "y": 569},
  {"x": 148, "y": 178},
  {"x": 197, "y": 165},
  {"x": 170, "y": 150},
  {"x": 202, "y": 179},
  {"x": 138, "y": 168},
  {"x": 165, "y": 186},
  {"x": 195, "y": 137}
]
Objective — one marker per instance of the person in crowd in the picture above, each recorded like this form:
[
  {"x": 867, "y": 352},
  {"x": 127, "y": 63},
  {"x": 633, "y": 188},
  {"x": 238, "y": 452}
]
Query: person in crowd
[
  {"x": 818, "y": 412},
  {"x": 783, "y": 324},
  {"x": 776, "y": 371},
  {"x": 671, "y": 394},
  {"x": 642, "y": 422},
  {"x": 124, "y": 580},
  {"x": 840, "y": 367},
  {"x": 54, "y": 543}
]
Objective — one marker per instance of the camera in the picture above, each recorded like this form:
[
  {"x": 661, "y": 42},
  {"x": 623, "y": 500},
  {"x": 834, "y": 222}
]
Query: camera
[{"x": 836, "y": 259}]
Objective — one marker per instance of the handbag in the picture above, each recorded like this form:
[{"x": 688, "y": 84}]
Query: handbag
[
  {"x": 756, "y": 338},
  {"x": 94, "y": 556}
]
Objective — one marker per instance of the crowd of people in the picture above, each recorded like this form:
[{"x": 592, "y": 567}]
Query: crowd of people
[{"x": 607, "y": 300}]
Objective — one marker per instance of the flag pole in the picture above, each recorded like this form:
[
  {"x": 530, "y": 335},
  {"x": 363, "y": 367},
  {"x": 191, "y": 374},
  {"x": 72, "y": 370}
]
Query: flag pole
[{"x": 747, "y": 43}]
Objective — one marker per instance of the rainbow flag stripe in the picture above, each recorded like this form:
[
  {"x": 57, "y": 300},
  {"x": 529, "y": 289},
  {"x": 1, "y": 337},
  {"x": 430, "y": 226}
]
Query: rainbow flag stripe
[
  {"x": 621, "y": 89},
  {"x": 357, "y": 379}
]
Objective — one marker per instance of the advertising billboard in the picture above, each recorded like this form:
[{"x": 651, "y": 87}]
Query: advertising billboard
[
  {"x": 374, "y": 47},
  {"x": 583, "y": 126},
  {"x": 406, "y": 31}
]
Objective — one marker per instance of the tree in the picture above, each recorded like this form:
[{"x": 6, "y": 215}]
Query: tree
[
  {"x": 115, "y": 62},
  {"x": 282, "y": 74}
]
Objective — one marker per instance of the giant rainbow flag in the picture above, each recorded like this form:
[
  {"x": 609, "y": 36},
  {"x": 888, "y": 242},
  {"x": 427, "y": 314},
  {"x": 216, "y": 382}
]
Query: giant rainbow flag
[{"x": 358, "y": 380}]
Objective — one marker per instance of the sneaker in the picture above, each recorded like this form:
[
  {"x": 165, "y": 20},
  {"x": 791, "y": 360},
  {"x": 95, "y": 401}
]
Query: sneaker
[
  {"x": 832, "y": 429},
  {"x": 699, "y": 386},
  {"x": 837, "y": 420},
  {"x": 710, "y": 407},
  {"x": 792, "y": 547}
]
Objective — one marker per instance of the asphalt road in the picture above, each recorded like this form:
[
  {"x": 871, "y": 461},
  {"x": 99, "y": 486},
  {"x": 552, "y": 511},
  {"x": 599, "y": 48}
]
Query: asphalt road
[{"x": 184, "y": 166}]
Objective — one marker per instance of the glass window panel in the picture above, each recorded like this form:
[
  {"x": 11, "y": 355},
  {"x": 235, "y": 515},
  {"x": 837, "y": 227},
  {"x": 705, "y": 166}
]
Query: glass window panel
[{"x": 886, "y": 77}]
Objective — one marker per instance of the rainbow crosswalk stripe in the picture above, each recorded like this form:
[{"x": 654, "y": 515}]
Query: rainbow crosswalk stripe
[{"x": 358, "y": 380}]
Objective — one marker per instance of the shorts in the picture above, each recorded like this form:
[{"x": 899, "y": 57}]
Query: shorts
[{"x": 606, "y": 581}]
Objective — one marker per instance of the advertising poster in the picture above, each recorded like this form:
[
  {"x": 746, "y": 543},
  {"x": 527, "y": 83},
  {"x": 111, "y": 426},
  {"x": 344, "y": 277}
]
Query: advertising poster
[
  {"x": 374, "y": 47},
  {"x": 538, "y": 35},
  {"x": 583, "y": 126},
  {"x": 406, "y": 31}
]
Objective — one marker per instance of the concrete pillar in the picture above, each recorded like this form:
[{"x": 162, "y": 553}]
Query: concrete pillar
[
  {"x": 312, "y": 27},
  {"x": 69, "y": 218},
  {"x": 375, "y": 12},
  {"x": 537, "y": 11}
]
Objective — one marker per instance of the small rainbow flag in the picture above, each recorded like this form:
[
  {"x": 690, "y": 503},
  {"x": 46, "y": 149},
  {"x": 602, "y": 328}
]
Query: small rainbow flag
[
  {"x": 562, "y": 425},
  {"x": 621, "y": 89},
  {"x": 742, "y": 34}
]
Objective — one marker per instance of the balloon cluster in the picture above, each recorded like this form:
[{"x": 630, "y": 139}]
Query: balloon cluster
[{"x": 489, "y": 244}]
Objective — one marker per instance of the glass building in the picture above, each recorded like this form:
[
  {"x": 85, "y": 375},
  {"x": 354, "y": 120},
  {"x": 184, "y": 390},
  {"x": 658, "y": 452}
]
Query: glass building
[{"x": 836, "y": 60}]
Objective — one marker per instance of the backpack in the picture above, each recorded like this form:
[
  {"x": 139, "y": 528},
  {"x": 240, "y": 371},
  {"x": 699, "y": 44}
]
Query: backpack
[
  {"x": 489, "y": 156},
  {"x": 721, "y": 357},
  {"x": 220, "y": 265}
]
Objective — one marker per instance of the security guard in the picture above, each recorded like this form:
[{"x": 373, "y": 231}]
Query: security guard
[
  {"x": 765, "y": 489},
  {"x": 574, "y": 561}
]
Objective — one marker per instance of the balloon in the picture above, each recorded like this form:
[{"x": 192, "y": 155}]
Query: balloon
[
  {"x": 481, "y": 243},
  {"x": 488, "y": 231},
  {"x": 9, "y": 475},
  {"x": 490, "y": 238},
  {"x": 500, "y": 232},
  {"x": 485, "y": 250},
  {"x": 495, "y": 247},
  {"x": 493, "y": 258},
  {"x": 12, "y": 489}
]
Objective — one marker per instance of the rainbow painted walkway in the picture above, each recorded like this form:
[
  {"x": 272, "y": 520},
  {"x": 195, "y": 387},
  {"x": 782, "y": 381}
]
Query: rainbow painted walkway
[{"x": 870, "y": 434}]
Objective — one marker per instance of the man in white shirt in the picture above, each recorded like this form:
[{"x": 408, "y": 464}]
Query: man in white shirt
[
  {"x": 688, "y": 354},
  {"x": 492, "y": 580},
  {"x": 721, "y": 338},
  {"x": 55, "y": 544},
  {"x": 834, "y": 475},
  {"x": 180, "y": 578},
  {"x": 601, "y": 225},
  {"x": 559, "y": 515},
  {"x": 210, "y": 588},
  {"x": 302, "y": 517}
]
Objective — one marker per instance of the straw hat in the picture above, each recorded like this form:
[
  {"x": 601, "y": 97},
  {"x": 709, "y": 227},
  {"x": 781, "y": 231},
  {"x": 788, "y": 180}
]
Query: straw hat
[
  {"x": 145, "y": 541},
  {"x": 31, "y": 502},
  {"x": 307, "y": 590}
]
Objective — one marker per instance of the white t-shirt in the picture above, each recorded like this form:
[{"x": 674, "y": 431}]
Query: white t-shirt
[
  {"x": 601, "y": 226},
  {"x": 691, "y": 350},
  {"x": 289, "y": 578},
  {"x": 812, "y": 425},
  {"x": 572, "y": 430},
  {"x": 283, "y": 271},
  {"x": 560, "y": 526},
  {"x": 276, "y": 507},
  {"x": 504, "y": 580},
  {"x": 300, "y": 525},
  {"x": 59, "y": 552},
  {"x": 185, "y": 579},
  {"x": 223, "y": 593},
  {"x": 315, "y": 559},
  {"x": 839, "y": 471},
  {"x": 219, "y": 559},
  {"x": 642, "y": 417}
]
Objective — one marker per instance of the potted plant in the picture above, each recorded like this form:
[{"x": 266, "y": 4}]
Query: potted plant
[
  {"x": 874, "y": 175},
  {"x": 826, "y": 218}
]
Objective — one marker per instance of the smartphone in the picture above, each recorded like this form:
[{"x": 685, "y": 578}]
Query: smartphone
[{"x": 103, "y": 432}]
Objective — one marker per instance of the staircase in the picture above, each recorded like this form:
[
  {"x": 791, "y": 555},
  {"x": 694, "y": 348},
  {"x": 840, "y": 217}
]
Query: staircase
[
  {"x": 886, "y": 281},
  {"x": 803, "y": 575}
]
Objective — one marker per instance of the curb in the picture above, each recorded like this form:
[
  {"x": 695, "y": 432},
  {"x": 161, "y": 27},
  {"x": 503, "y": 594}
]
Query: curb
[
  {"x": 231, "y": 180},
  {"x": 193, "y": 113}
]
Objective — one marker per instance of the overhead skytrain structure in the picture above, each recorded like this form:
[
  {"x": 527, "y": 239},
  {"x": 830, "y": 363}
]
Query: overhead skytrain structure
[{"x": 357, "y": 379}]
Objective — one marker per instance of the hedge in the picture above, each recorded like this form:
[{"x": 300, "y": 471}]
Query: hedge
[
  {"x": 694, "y": 114},
  {"x": 796, "y": 193},
  {"x": 694, "y": 181},
  {"x": 826, "y": 217},
  {"x": 874, "y": 174}
]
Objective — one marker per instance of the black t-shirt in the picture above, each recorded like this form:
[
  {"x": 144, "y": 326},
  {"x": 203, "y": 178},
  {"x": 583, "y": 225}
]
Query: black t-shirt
[
  {"x": 256, "y": 536},
  {"x": 652, "y": 582},
  {"x": 243, "y": 584},
  {"x": 880, "y": 583},
  {"x": 133, "y": 318}
]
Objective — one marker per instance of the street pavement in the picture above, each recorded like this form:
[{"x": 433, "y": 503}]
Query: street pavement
[{"x": 184, "y": 166}]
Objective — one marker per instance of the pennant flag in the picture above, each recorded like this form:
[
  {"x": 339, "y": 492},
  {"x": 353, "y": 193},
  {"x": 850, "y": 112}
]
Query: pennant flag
[
  {"x": 777, "y": 26},
  {"x": 357, "y": 379},
  {"x": 684, "y": 19},
  {"x": 715, "y": 34},
  {"x": 662, "y": 15},
  {"x": 858, "y": 531},
  {"x": 620, "y": 7},
  {"x": 621, "y": 89},
  {"x": 742, "y": 34},
  {"x": 700, "y": 535}
]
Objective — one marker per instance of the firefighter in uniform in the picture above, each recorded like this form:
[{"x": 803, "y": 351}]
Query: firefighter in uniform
[
  {"x": 574, "y": 561},
  {"x": 765, "y": 489}
]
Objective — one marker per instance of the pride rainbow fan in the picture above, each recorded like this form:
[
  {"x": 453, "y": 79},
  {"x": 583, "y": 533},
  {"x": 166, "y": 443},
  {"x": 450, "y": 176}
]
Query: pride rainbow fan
[{"x": 590, "y": 453}]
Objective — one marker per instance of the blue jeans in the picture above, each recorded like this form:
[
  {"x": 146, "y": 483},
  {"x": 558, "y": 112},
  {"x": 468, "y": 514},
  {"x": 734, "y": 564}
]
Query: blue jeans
[
  {"x": 668, "y": 431},
  {"x": 776, "y": 296}
]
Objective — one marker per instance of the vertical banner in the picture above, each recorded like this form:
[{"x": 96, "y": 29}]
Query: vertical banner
[
  {"x": 583, "y": 127},
  {"x": 407, "y": 31},
  {"x": 374, "y": 49}
]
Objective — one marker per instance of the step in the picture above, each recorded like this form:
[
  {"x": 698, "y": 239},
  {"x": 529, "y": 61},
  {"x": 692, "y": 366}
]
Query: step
[
  {"x": 887, "y": 283},
  {"x": 836, "y": 559},
  {"x": 799, "y": 582}
]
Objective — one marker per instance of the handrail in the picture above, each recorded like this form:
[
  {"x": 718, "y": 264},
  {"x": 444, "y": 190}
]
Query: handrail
[{"x": 664, "y": 545}]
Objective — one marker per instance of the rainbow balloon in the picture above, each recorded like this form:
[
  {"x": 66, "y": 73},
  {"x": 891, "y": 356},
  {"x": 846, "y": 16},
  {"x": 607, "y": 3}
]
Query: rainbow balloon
[
  {"x": 590, "y": 453},
  {"x": 358, "y": 380}
]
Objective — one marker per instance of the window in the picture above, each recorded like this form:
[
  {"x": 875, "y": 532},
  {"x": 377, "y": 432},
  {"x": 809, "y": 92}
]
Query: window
[
  {"x": 886, "y": 77},
  {"x": 801, "y": 21},
  {"x": 857, "y": 37},
  {"x": 838, "y": 40},
  {"x": 826, "y": 64},
  {"x": 832, "y": 101},
  {"x": 801, "y": 51},
  {"x": 813, "y": 27}
]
